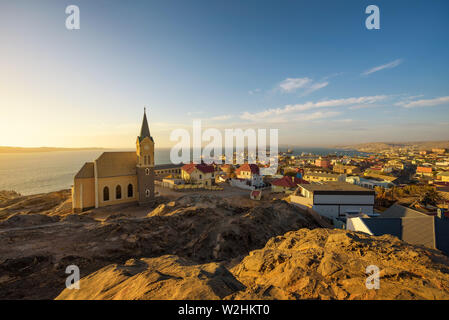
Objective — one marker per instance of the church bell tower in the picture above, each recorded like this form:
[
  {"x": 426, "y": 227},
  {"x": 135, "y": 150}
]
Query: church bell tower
[{"x": 145, "y": 163}]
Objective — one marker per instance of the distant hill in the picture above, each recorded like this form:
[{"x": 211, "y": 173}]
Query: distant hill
[
  {"x": 379, "y": 146},
  {"x": 41, "y": 149}
]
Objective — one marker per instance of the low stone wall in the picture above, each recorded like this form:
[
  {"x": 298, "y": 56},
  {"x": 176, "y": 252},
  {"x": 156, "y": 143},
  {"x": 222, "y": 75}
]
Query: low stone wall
[{"x": 187, "y": 187}]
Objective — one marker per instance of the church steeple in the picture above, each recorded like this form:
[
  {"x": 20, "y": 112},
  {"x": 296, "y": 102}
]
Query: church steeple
[
  {"x": 145, "y": 130},
  {"x": 145, "y": 163}
]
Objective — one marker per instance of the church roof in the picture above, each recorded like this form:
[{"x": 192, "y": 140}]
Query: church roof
[
  {"x": 113, "y": 164},
  {"x": 87, "y": 171},
  {"x": 145, "y": 129}
]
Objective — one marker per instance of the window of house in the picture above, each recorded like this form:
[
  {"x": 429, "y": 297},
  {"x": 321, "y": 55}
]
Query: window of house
[
  {"x": 118, "y": 192},
  {"x": 201, "y": 177},
  {"x": 105, "y": 194},
  {"x": 130, "y": 190}
]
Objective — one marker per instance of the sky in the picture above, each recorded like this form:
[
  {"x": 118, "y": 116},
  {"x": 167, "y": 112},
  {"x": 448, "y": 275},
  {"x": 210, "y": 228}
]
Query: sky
[{"x": 310, "y": 69}]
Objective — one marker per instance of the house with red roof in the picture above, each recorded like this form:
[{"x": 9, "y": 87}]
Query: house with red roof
[
  {"x": 424, "y": 171},
  {"x": 250, "y": 173},
  {"x": 286, "y": 184},
  {"x": 198, "y": 173},
  {"x": 255, "y": 194}
]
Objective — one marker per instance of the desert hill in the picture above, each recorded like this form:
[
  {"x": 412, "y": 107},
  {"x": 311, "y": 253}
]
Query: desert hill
[
  {"x": 380, "y": 146},
  {"x": 202, "y": 228},
  {"x": 201, "y": 246},
  {"x": 54, "y": 203},
  {"x": 303, "y": 264}
]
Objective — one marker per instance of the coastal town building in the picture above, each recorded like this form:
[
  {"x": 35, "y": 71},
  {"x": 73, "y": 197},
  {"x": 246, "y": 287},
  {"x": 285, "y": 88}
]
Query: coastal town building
[
  {"x": 226, "y": 168},
  {"x": 250, "y": 173},
  {"x": 286, "y": 184},
  {"x": 439, "y": 150},
  {"x": 198, "y": 173},
  {"x": 322, "y": 162},
  {"x": 334, "y": 199},
  {"x": 368, "y": 183},
  {"x": 163, "y": 170},
  {"x": 443, "y": 176},
  {"x": 117, "y": 177},
  {"x": 408, "y": 225},
  {"x": 380, "y": 176},
  {"x": 346, "y": 169},
  {"x": 424, "y": 171},
  {"x": 321, "y": 177}
]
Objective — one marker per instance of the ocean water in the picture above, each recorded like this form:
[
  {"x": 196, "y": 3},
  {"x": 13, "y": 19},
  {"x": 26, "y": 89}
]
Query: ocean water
[{"x": 31, "y": 173}]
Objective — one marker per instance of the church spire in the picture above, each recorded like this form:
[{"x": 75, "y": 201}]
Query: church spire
[{"x": 145, "y": 130}]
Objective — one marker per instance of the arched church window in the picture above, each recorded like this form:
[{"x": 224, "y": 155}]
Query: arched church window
[
  {"x": 130, "y": 190},
  {"x": 105, "y": 194},
  {"x": 118, "y": 192},
  {"x": 145, "y": 160}
]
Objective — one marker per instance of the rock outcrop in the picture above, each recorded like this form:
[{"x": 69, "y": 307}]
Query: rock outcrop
[
  {"x": 303, "y": 264},
  {"x": 211, "y": 230},
  {"x": 201, "y": 246},
  {"x": 53, "y": 203},
  {"x": 332, "y": 264},
  {"x": 165, "y": 277}
]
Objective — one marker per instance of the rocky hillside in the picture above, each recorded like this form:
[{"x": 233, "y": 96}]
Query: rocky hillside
[
  {"x": 303, "y": 264},
  {"x": 53, "y": 203},
  {"x": 381, "y": 146},
  {"x": 201, "y": 247},
  {"x": 37, "y": 247}
]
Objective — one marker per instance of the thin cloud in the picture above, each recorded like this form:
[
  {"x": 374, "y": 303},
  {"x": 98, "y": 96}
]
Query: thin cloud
[
  {"x": 424, "y": 102},
  {"x": 223, "y": 117},
  {"x": 291, "y": 85},
  {"x": 299, "y": 117},
  {"x": 251, "y": 92},
  {"x": 389, "y": 65},
  {"x": 312, "y": 105}
]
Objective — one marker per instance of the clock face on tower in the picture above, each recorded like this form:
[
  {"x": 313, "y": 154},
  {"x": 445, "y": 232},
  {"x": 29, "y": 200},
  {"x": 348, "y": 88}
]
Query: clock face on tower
[{"x": 146, "y": 148}]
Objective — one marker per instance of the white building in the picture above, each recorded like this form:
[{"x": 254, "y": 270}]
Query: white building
[
  {"x": 368, "y": 183},
  {"x": 334, "y": 199}
]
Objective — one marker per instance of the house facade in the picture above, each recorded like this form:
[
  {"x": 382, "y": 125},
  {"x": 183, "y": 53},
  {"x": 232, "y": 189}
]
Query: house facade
[
  {"x": 199, "y": 174},
  {"x": 162, "y": 170},
  {"x": 117, "y": 177},
  {"x": 250, "y": 173},
  {"x": 322, "y": 177}
]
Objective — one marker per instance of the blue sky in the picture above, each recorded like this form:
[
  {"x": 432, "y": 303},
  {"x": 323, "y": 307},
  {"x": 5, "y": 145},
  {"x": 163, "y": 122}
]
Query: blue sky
[{"x": 309, "y": 68}]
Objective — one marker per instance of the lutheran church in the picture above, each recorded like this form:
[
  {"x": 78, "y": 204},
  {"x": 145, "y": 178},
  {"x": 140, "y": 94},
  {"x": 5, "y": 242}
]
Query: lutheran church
[{"x": 117, "y": 177}]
